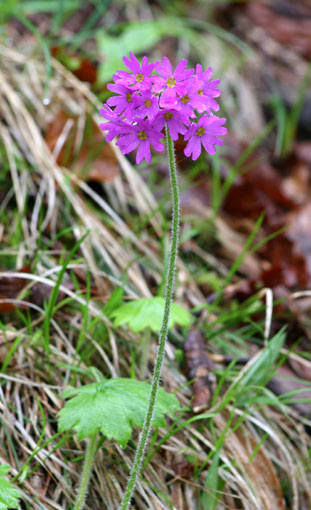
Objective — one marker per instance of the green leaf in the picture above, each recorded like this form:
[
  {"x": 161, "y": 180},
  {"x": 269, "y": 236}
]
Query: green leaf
[
  {"x": 260, "y": 372},
  {"x": 8, "y": 493},
  {"x": 114, "y": 301},
  {"x": 148, "y": 313},
  {"x": 211, "y": 496},
  {"x": 30, "y": 7},
  {"x": 7, "y": 9},
  {"x": 141, "y": 36},
  {"x": 111, "y": 48},
  {"x": 136, "y": 37},
  {"x": 113, "y": 407}
]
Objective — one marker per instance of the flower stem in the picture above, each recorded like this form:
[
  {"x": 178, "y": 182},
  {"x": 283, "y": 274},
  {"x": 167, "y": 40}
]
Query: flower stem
[
  {"x": 86, "y": 472},
  {"x": 169, "y": 292}
]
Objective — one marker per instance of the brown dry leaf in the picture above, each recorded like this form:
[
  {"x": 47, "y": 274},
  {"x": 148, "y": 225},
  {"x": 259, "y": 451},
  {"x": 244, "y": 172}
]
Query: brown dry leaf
[
  {"x": 40, "y": 293},
  {"x": 302, "y": 368},
  {"x": 199, "y": 368},
  {"x": 94, "y": 160},
  {"x": 194, "y": 202},
  {"x": 296, "y": 182},
  {"x": 229, "y": 502},
  {"x": 83, "y": 69},
  {"x": 302, "y": 151},
  {"x": 283, "y": 194},
  {"x": 177, "y": 496},
  {"x": 285, "y": 380},
  {"x": 260, "y": 471},
  {"x": 258, "y": 189},
  {"x": 284, "y": 22},
  {"x": 287, "y": 266},
  {"x": 182, "y": 468},
  {"x": 10, "y": 287},
  {"x": 299, "y": 232},
  {"x": 287, "y": 258},
  {"x": 289, "y": 255}
]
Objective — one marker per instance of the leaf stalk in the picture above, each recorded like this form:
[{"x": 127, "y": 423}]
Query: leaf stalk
[{"x": 86, "y": 472}]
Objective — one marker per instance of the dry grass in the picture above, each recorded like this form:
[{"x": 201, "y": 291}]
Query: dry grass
[{"x": 31, "y": 386}]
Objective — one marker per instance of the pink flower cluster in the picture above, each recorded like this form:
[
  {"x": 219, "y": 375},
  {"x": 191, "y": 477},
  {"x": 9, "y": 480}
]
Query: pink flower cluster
[{"x": 145, "y": 102}]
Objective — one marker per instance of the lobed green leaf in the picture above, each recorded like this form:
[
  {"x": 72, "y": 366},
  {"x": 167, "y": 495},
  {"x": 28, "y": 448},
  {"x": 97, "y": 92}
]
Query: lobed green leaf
[
  {"x": 148, "y": 313},
  {"x": 112, "y": 407},
  {"x": 8, "y": 493}
]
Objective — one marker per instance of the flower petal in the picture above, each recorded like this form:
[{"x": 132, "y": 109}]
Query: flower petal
[
  {"x": 128, "y": 143},
  {"x": 132, "y": 63},
  {"x": 164, "y": 68},
  {"x": 168, "y": 98},
  {"x": 156, "y": 144},
  {"x": 189, "y": 146},
  {"x": 143, "y": 152},
  {"x": 181, "y": 73}
]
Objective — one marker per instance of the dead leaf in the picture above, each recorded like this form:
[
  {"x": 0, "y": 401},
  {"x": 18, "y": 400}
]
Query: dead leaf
[
  {"x": 10, "y": 287},
  {"x": 266, "y": 485},
  {"x": 285, "y": 22},
  {"x": 94, "y": 160},
  {"x": 301, "y": 368},
  {"x": 182, "y": 468},
  {"x": 302, "y": 150},
  {"x": 283, "y": 194},
  {"x": 299, "y": 232},
  {"x": 259, "y": 187},
  {"x": 81, "y": 67},
  {"x": 285, "y": 381},
  {"x": 200, "y": 369}
]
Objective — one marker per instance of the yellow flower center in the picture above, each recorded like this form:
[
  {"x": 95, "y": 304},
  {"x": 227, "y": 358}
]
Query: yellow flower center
[
  {"x": 148, "y": 103},
  {"x": 142, "y": 135},
  {"x": 200, "y": 131},
  {"x": 139, "y": 77},
  {"x": 200, "y": 92},
  {"x": 129, "y": 97},
  {"x": 168, "y": 115},
  {"x": 171, "y": 82},
  {"x": 185, "y": 99}
]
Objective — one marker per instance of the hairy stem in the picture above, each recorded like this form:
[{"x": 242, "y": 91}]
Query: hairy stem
[
  {"x": 86, "y": 472},
  {"x": 169, "y": 292}
]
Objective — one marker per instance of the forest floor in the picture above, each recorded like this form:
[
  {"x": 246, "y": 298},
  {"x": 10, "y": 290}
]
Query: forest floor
[{"x": 83, "y": 229}]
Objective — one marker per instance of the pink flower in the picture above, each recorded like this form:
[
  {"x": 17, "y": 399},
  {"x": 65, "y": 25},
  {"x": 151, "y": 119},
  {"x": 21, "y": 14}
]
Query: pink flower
[
  {"x": 170, "y": 82},
  {"x": 176, "y": 121},
  {"x": 124, "y": 102},
  {"x": 147, "y": 105},
  {"x": 140, "y": 76},
  {"x": 114, "y": 125},
  {"x": 207, "y": 89},
  {"x": 205, "y": 132},
  {"x": 189, "y": 98},
  {"x": 140, "y": 135}
]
